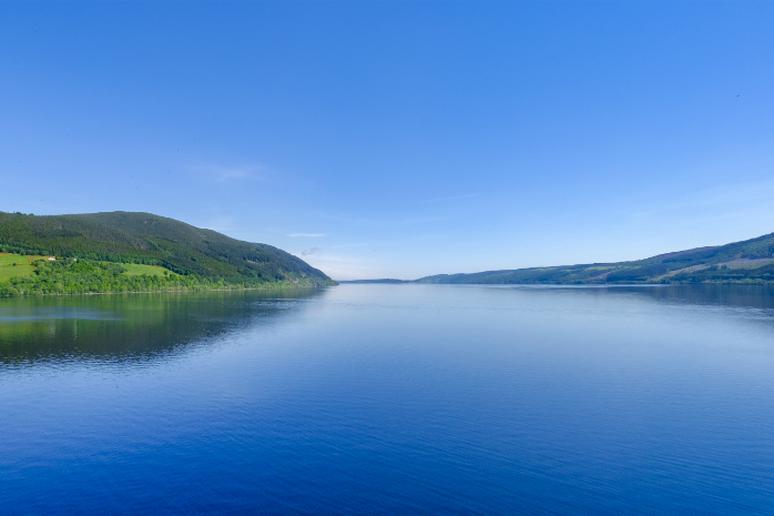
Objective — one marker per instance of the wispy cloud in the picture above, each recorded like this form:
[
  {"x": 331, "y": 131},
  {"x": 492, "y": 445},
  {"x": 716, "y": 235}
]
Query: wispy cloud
[
  {"x": 341, "y": 267},
  {"x": 731, "y": 200},
  {"x": 308, "y": 235},
  {"x": 226, "y": 173},
  {"x": 390, "y": 220},
  {"x": 450, "y": 198},
  {"x": 311, "y": 251}
]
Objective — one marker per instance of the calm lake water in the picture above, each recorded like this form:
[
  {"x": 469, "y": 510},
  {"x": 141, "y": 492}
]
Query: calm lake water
[{"x": 390, "y": 399}]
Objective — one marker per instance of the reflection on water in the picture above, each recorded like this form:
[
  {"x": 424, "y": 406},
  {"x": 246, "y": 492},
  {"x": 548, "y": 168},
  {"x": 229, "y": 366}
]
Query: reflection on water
[
  {"x": 752, "y": 296},
  {"x": 390, "y": 399},
  {"x": 743, "y": 296},
  {"x": 142, "y": 325},
  {"x": 130, "y": 326}
]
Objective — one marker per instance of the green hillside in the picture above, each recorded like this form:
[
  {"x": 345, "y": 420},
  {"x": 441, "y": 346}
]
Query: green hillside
[
  {"x": 750, "y": 261},
  {"x": 134, "y": 249}
]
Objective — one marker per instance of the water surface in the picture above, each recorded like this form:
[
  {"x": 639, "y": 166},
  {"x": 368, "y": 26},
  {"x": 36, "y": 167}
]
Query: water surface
[{"x": 390, "y": 399}]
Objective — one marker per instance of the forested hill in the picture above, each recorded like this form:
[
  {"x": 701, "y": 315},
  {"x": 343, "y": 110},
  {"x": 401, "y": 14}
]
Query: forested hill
[
  {"x": 144, "y": 238},
  {"x": 749, "y": 261}
]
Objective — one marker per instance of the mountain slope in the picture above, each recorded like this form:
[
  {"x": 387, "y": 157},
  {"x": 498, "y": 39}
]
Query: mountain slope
[
  {"x": 150, "y": 239},
  {"x": 750, "y": 261}
]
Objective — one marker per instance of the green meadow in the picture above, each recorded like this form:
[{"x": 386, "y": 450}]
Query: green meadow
[
  {"x": 140, "y": 269},
  {"x": 16, "y": 265},
  {"x": 35, "y": 274},
  {"x": 20, "y": 266}
]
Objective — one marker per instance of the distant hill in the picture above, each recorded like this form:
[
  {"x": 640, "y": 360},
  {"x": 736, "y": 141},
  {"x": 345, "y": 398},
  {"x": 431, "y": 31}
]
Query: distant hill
[
  {"x": 144, "y": 238},
  {"x": 750, "y": 261}
]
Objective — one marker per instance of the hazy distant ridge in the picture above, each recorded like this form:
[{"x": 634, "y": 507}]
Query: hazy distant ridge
[{"x": 749, "y": 261}]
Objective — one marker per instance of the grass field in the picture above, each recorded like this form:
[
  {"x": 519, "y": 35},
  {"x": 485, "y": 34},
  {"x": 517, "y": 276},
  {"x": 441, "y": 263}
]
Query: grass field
[
  {"x": 139, "y": 269},
  {"x": 16, "y": 265}
]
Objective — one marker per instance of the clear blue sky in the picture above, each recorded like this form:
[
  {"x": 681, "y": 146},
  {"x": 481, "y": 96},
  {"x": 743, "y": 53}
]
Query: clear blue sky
[{"x": 399, "y": 138}]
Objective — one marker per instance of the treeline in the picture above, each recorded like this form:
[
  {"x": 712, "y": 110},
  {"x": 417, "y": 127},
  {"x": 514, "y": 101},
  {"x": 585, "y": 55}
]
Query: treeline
[
  {"x": 68, "y": 252},
  {"x": 71, "y": 276}
]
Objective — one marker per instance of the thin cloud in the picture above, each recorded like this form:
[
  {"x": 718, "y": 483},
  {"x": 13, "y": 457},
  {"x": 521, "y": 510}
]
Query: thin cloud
[
  {"x": 450, "y": 198},
  {"x": 308, "y": 235},
  {"x": 387, "y": 220},
  {"x": 231, "y": 173},
  {"x": 727, "y": 200},
  {"x": 341, "y": 267}
]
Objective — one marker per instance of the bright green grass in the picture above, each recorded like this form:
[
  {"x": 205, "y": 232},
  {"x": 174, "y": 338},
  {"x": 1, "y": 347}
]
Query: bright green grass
[
  {"x": 139, "y": 269},
  {"x": 23, "y": 267}
]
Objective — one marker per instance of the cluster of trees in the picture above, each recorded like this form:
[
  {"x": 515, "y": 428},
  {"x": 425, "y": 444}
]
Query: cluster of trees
[{"x": 77, "y": 276}]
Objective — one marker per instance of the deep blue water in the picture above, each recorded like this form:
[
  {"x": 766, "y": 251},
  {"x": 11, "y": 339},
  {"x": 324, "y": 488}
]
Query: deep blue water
[{"x": 390, "y": 399}]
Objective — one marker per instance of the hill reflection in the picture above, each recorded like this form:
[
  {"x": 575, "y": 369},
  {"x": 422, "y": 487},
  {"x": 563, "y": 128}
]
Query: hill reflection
[
  {"x": 132, "y": 326},
  {"x": 732, "y": 296}
]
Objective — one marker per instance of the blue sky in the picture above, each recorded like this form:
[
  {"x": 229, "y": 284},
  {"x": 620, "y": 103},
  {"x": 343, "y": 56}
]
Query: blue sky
[{"x": 399, "y": 138}]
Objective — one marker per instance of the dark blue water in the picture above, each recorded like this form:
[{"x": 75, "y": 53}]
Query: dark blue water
[{"x": 390, "y": 399}]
